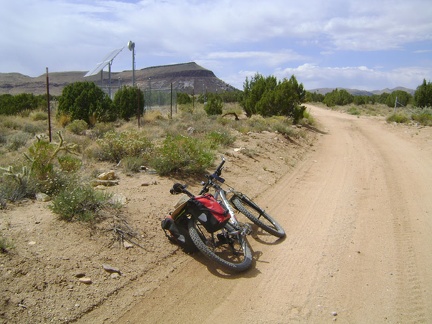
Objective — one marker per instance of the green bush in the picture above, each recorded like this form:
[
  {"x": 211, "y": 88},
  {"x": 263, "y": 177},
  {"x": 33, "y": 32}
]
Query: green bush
[
  {"x": 220, "y": 137},
  {"x": 34, "y": 129},
  {"x": 270, "y": 97},
  {"x": 77, "y": 127},
  {"x": 100, "y": 129},
  {"x": 183, "y": 98},
  {"x": 15, "y": 186},
  {"x": 43, "y": 157},
  {"x": 354, "y": 111},
  {"x": 181, "y": 154},
  {"x": 39, "y": 115},
  {"x": 5, "y": 245},
  {"x": 127, "y": 100},
  {"x": 86, "y": 101},
  {"x": 11, "y": 123},
  {"x": 17, "y": 140},
  {"x": 116, "y": 146},
  {"x": 69, "y": 163},
  {"x": 423, "y": 116},
  {"x": 423, "y": 94},
  {"x": 213, "y": 106},
  {"x": 79, "y": 202},
  {"x": 132, "y": 163},
  {"x": 399, "y": 118}
]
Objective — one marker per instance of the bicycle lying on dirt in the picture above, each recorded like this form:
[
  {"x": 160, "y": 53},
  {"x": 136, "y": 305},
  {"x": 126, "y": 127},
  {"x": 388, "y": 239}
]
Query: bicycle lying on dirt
[{"x": 207, "y": 222}]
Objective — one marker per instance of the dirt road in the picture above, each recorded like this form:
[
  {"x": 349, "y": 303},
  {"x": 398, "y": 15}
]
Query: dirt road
[{"x": 358, "y": 218}]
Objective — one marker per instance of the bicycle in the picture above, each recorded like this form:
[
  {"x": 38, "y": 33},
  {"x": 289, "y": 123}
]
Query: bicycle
[
  {"x": 221, "y": 240},
  {"x": 243, "y": 204}
]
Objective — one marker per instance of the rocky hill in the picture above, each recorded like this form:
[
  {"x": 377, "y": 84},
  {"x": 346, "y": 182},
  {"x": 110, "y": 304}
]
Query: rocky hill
[
  {"x": 356, "y": 92},
  {"x": 185, "y": 77}
]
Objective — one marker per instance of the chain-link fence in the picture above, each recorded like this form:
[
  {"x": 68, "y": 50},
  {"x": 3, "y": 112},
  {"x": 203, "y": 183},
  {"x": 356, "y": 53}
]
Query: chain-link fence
[{"x": 164, "y": 100}]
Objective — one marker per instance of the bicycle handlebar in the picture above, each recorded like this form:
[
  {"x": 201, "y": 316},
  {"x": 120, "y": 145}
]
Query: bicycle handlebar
[{"x": 180, "y": 188}]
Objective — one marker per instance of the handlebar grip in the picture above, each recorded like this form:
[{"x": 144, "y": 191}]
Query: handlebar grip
[
  {"x": 177, "y": 188},
  {"x": 219, "y": 168}
]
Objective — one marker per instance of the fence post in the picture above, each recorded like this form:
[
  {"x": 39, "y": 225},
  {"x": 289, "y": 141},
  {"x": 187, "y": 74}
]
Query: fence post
[{"x": 48, "y": 105}]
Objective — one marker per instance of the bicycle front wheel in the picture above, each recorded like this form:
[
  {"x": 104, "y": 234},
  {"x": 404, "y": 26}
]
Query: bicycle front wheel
[
  {"x": 226, "y": 247},
  {"x": 257, "y": 215}
]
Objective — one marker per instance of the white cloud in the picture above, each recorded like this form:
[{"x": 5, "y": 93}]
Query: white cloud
[
  {"x": 233, "y": 37},
  {"x": 357, "y": 77}
]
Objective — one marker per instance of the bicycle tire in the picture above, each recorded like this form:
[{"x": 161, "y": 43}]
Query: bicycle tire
[
  {"x": 257, "y": 215},
  {"x": 236, "y": 257}
]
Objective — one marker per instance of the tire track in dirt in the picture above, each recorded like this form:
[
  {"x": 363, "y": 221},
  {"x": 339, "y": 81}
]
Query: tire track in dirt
[{"x": 405, "y": 167}]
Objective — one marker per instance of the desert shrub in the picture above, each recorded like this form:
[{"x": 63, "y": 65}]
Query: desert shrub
[
  {"x": 3, "y": 138},
  {"x": 34, "y": 128},
  {"x": 214, "y": 105},
  {"x": 116, "y": 146},
  {"x": 132, "y": 163},
  {"x": 182, "y": 154},
  {"x": 11, "y": 123},
  {"x": 100, "y": 129},
  {"x": 354, "y": 111},
  {"x": 153, "y": 116},
  {"x": 16, "y": 185},
  {"x": 283, "y": 128},
  {"x": 220, "y": 137},
  {"x": 423, "y": 116},
  {"x": 38, "y": 115},
  {"x": 43, "y": 157},
  {"x": 258, "y": 123},
  {"x": 77, "y": 127},
  {"x": 63, "y": 119},
  {"x": 5, "y": 245},
  {"x": 307, "y": 119},
  {"x": 69, "y": 163},
  {"x": 79, "y": 202},
  {"x": 17, "y": 140},
  {"x": 399, "y": 118}
]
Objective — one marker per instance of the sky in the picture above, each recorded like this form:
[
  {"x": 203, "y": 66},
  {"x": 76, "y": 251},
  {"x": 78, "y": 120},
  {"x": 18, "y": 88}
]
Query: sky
[{"x": 367, "y": 44}]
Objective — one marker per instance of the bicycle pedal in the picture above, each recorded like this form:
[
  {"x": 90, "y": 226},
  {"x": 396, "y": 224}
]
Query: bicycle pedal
[{"x": 247, "y": 229}]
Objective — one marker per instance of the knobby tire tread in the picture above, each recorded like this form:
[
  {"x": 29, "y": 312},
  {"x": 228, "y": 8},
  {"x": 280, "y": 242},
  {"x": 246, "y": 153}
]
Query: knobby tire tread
[
  {"x": 239, "y": 202},
  {"x": 200, "y": 244}
]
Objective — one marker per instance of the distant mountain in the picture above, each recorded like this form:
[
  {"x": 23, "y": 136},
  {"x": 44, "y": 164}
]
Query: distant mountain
[
  {"x": 356, "y": 92},
  {"x": 185, "y": 77}
]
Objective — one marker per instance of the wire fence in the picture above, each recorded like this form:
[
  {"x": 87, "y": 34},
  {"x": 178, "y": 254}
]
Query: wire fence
[{"x": 164, "y": 100}]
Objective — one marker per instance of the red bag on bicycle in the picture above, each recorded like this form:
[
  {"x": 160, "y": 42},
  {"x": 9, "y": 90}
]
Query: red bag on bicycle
[{"x": 209, "y": 212}]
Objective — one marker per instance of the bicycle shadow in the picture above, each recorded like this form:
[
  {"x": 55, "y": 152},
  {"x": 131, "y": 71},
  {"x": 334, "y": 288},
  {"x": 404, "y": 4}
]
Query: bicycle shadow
[{"x": 261, "y": 236}]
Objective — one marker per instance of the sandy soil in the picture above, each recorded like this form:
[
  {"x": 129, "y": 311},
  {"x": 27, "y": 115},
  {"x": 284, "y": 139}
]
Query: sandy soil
[{"x": 355, "y": 204}]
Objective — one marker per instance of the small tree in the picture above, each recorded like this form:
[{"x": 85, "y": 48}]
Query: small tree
[
  {"x": 214, "y": 105},
  {"x": 338, "y": 97},
  {"x": 268, "y": 97},
  {"x": 183, "y": 98},
  {"x": 128, "y": 102},
  {"x": 423, "y": 95},
  {"x": 403, "y": 98},
  {"x": 86, "y": 101}
]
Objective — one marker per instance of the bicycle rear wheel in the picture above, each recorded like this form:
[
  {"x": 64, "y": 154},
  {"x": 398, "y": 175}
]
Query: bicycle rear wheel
[
  {"x": 226, "y": 247},
  {"x": 257, "y": 215}
]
